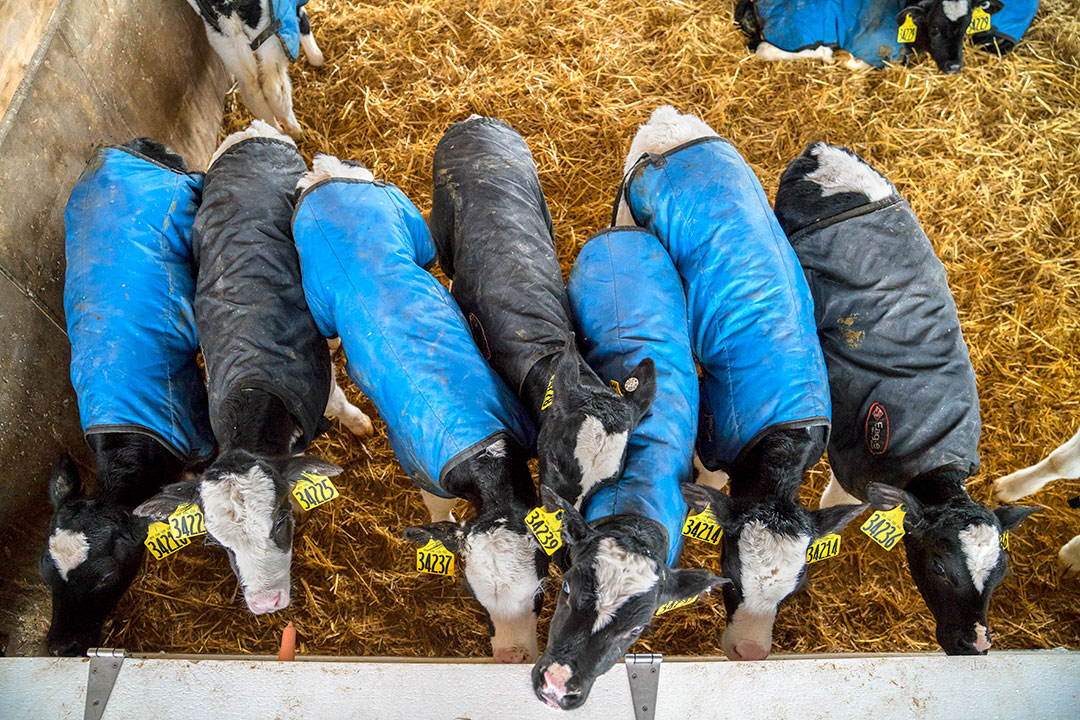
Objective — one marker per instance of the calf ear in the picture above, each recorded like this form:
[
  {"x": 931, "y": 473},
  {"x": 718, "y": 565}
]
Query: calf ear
[
  {"x": 294, "y": 467},
  {"x": 162, "y": 505},
  {"x": 834, "y": 519},
  {"x": 886, "y": 497},
  {"x": 1012, "y": 515},
  {"x": 574, "y": 527},
  {"x": 643, "y": 381},
  {"x": 448, "y": 533},
  {"x": 64, "y": 483},
  {"x": 683, "y": 584},
  {"x": 916, "y": 10},
  {"x": 698, "y": 496},
  {"x": 992, "y": 6},
  {"x": 566, "y": 372}
]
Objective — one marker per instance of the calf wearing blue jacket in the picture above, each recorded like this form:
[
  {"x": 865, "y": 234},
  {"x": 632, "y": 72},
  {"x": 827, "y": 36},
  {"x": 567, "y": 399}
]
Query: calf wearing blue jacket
[
  {"x": 455, "y": 427},
  {"x": 764, "y": 400},
  {"x": 628, "y": 305},
  {"x": 128, "y": 297}
]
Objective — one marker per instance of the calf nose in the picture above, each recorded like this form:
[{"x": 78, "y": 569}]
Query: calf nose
[
  {"x": 750, "y": 651},
  {"x": 267, "y": 602},
  {"x": 512, "y": 656},
  {"x": 953, "y": 68},
  {"x": 982, "y": 644}
]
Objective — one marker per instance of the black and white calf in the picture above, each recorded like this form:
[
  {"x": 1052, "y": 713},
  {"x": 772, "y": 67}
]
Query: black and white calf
[
  {"x": 493, "y": 231},
  {"x": 256, "y": 39},
  {"x": 268, "y": 369},
  {"x": 905, "y": 407},
  {"x": 764, "y": 395},
  {"x": 1063, "y": 462}
]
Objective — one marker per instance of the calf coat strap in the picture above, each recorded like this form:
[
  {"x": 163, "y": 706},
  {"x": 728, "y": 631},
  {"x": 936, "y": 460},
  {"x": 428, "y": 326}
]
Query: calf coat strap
[
  {"x": 628, "y": 305},
  {"x": 363, "y": 248},
  {"x": 750, "y": 312},
  {"x": 128, "y": 298}
]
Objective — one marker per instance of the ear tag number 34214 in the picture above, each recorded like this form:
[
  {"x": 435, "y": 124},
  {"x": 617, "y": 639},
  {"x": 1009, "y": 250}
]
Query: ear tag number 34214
[
  {"x": 546, "y": 527},
  {"x": 160, "y": 541},
  {"x": 187, "y": 522},
  {"x": 434, "y": 559},
  {"x": 907, "y": 32},
  {"x": 312, "y": 490},
  {"x": 980, "y": 22},
  {"x": 823, "y": 548},
  {"x": 703, "y": 526},
  {"x": 885, "y": 527}
]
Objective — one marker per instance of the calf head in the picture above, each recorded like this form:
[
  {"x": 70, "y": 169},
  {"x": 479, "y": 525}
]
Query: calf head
[
  {"x": 504, "y": 570},
  {"x": 955, "y": 557},
  {"x": 246, "y": 501},
  {"x": 93, "y": 554},
  {"x": 616, "y": 580},
  {"x": 942, "y": 27},
  {"x": 764, "y": 556},
  {"x": 586, "y": 424}
]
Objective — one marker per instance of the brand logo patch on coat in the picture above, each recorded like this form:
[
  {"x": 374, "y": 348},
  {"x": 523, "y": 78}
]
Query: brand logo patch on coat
[{"x": 877, "y": 429}]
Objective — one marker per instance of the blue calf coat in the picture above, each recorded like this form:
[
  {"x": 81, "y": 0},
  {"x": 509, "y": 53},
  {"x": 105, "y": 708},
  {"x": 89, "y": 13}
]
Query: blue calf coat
[
  {"x": 865, "y": 28},
  {"x": 363, "y": 249},
  {"x": 751, "y": 315},
  {"x": 1008, "y": 25},
  {"x": 628, "y": 304},
  {"x": 286, "y": 25},
  {"x": 128, "y": 298}
]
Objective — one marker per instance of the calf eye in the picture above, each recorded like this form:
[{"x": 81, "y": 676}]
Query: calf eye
[
  {"x": 566, "y": 587},
  {"x": 939, "y": 568},
  {"x": 637, "y": 630}
]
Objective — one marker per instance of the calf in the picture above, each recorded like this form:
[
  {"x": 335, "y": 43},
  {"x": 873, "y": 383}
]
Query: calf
[
  {"x": 765, "y": 402},
  {"x": 454, "y": 425},
  {"x": 493, "y": 232},
  {"x": 128, "y": 295},
  {"x": 1061, "y": 463},
  {"x": 267, "y": 365},
  {"x": 787, "y": 30},
  {"x": 628, "y": 303},
  {"x": 256, "y": 39},
  {"x": 905, "y": 407}
]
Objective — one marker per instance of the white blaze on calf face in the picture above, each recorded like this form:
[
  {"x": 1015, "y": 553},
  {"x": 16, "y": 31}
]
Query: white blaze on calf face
[
  {"x": 500, "y": 567},
  {"x": 840, "y": 172},
  {"x": 598, "y": 453},
  {"x": 239, "y": 514},
  {"x": 770, "y": 567},
  {"x": 954, "y": 9},
  {"x": 68, "y": 550},
  {"x": 981, "y": 548},
  {"x": 620, "y": 575}
]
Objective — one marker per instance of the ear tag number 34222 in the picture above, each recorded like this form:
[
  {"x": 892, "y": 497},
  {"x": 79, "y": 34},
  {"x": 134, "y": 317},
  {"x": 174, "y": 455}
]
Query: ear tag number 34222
[
  {"x": 160, "y": 541},
  {"x": 980, "y": 22},
  {"x": 312, "y": 490},
  {"x": 907, "y": 32},
  {"x": 885, "y": 527},
  {"x": 434, "y": 559},
  {"x": 186, "y": 522},
  {"x": 703, "y": 526},
  {"x": 546, "y": 527}
]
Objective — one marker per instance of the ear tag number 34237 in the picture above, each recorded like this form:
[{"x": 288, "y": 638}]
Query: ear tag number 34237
[
  {"x": 312, "y": 490},
  {"x": 546, "y": 527},
  {"x": 434, "y": 559},
  {"x": 703, "y": 526},
  {"x": 885, "y": 527}
]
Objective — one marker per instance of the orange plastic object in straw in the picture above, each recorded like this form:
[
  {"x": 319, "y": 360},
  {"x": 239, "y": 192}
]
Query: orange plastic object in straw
[{"x": 288, "y": 643}]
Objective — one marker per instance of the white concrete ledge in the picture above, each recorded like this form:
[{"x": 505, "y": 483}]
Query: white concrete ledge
[{"x": 1008, "y": 684}]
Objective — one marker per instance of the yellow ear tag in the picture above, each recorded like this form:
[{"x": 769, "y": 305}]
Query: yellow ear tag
[
  {"x": 186, "y": 522},
  {"x": 160, "y": 541},
  {"x": 675, "y": 605},
  {"x": 907, "y": 31},
  {"x": 1004, "y": 540},
  {"x": 703, "y": 526},
  {"x": 435, "y": 559},
  {"x": 546, "y": 527},
  {"x": 980, "y": 21},
  {"x": 823, "y": 548},
  {"x": 549, "y": 394},
  {"x": 885, "y": 527},
  {"x": 312, "y": 490},
  {"x": 615, "y": 386}
]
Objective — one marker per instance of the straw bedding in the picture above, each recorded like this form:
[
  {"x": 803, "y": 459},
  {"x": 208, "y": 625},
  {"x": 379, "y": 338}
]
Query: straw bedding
[{"x": 989, "y": 160}]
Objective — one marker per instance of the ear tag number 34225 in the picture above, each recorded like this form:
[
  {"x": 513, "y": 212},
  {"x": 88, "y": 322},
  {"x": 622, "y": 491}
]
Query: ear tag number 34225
[
  {"x": 703, "y": 526},
  {"x": 907, "y": 32},
  {"x": 885, "y": 527},
  {"x": 434, "y": 559},
  {"x": 980, "y": 22},
  {"x": 160, "y": 541},
  {"x": 187, "y": 522},
  {"x": 546, "y": 527},
  {"x": 312, "y": 490}
]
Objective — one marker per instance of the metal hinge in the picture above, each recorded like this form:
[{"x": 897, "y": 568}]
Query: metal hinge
[
  {"x": 643, "y": 670},
  {"x": 104, "y": 667}
]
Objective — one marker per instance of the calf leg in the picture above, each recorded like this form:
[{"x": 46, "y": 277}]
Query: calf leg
[
  {"x": 768, "y": 51},
  {"x": 232, "y": 47},
  {"x": 1062, "y": 463},
  {"x": 274, "y": 66},
  {"x": 715, "y": 479},
  {"x": 339, "y": 406},
  {"x": 439, "y": 507},
  {"x": 307, "y": 41},
  {"x": 834, "y": 494},
  {"x": 1069, "y": 557}
]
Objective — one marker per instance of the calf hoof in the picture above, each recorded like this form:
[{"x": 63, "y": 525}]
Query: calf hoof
[
  {"x": 293, "y": 130},
  {"x": 1069, "y": 557}
]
